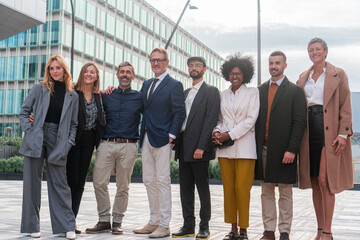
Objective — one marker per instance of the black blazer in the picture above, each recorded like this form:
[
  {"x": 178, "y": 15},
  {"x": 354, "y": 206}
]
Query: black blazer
[
  {"x": 201, "y": 121},
  {"x": 100, "y": 123}
]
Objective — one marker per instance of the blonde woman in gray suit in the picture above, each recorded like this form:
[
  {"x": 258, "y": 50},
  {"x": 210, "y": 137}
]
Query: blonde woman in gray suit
[{"x": 54, "y": 106}]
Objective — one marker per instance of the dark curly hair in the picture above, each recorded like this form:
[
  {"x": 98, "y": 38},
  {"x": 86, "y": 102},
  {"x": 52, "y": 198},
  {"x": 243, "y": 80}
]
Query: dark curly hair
[{"x": 245, "y": 63}]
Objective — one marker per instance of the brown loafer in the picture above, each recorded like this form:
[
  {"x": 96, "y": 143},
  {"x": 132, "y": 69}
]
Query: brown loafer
[{"x": 268, "y": 235}]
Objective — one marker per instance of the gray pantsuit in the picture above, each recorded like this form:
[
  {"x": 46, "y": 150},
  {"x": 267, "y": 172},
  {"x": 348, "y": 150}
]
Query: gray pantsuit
[
  {"x": 62, "y": 218},
  {"x": 52, "y": 142}
]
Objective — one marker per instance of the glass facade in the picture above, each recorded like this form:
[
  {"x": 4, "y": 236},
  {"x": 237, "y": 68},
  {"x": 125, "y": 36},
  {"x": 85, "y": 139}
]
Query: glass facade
[{"x": 106, "y": 32}]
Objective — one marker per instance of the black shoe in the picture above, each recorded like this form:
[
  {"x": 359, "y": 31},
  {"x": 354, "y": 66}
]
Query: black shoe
[
  {"x": 242, "y": 236},
  {"x": 77, "y": 231},
  {"x": 183, "y": 232},
  {"x": 203, "y": 234},
  {"x": 99, "y": 227},
  {"x": 116, "y": 228}
]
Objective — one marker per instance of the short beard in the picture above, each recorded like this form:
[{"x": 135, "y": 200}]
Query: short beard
[
  {"x": 125, "y": 84},
  {"x": 197, "y": 76}
]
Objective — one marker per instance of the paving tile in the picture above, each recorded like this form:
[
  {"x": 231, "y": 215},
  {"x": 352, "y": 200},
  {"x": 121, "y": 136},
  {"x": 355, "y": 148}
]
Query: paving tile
[{"x": 346, "y": 222}]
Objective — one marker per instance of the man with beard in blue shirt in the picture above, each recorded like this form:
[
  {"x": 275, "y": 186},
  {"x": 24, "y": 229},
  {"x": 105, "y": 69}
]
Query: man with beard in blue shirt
[{"x": 117, "y": 150}]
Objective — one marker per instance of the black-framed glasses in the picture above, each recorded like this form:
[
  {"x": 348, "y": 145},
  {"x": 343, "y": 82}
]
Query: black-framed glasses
[
  {"x": 235, "y": 74},
  {"x": 155, "y": 60}
]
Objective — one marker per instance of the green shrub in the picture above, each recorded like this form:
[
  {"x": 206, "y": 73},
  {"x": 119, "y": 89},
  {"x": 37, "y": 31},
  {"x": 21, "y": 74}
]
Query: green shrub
[
  {"x": 174, "y": 169},
  {"x": 12, "y": 165},
  {"x": 137, "y": 172},
  {"x": 16, "y": 165},
  {"x": 91, "y": 167},
  {"x": 214, "y": 170},
  {"x": 12, "y": 141}
]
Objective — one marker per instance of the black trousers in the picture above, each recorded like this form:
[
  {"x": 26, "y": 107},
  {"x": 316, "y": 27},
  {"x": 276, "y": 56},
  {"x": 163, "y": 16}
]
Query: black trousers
[
  {"x": 77, "y": 167},
  {"x": 191, "y": 174}
]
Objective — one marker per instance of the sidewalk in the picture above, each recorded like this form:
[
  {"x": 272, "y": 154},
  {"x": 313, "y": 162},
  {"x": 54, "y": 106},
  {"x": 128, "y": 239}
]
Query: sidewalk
[{"x": 346, "y": 223}]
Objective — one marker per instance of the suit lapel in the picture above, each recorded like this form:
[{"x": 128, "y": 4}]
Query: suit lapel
[
  {"x": 196, "y": 102},
  {"x": 264, "y": 91},
  {"x": 158, "y": 89},
  {"x": 67, "y": 101},
  {"x": 331, "y": 83},
  {"x": 237, "y": 106},
  {"x": 279, "y": 93},
  {"x": 45, "y": 103}
]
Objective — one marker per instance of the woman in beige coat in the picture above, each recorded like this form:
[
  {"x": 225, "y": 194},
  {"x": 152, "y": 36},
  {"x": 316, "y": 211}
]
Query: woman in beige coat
[{"x": 325, "y": 151}]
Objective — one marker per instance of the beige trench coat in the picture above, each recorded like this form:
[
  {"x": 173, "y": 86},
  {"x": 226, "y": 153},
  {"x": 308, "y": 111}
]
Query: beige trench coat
[{"x": 337, "y": 120}]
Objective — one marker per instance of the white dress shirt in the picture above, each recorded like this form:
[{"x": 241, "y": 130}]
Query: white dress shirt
[
  {"x": 189, "y": 101},
  {"x": 315, "y": 90}
]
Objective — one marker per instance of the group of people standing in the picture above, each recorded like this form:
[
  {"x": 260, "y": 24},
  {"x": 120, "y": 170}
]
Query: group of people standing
[{"x": 256, "y": 133}]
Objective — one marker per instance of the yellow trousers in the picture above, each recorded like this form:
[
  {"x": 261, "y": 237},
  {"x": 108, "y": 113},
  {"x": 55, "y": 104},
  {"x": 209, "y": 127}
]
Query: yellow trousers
[{"x": 237, "y": 178}]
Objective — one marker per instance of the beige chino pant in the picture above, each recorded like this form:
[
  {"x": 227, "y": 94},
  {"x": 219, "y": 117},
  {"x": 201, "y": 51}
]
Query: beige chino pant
[
  {"x": 156, "y": 178},
  {"x": 268, "y": 203},
  {"x": 110, "y": 156}
]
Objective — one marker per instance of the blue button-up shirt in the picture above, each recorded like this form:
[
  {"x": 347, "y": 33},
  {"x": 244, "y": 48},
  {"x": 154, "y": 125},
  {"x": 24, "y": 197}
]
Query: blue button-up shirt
[{"x": 122, "y": 109}]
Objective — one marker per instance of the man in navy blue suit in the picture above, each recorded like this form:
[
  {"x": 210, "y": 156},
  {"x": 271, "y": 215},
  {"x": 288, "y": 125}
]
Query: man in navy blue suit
[{"x": 164, "y": 113}]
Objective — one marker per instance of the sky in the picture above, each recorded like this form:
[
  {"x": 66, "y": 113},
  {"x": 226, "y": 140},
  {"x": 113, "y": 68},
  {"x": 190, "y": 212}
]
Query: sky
[{"x": 230, "y": 26}]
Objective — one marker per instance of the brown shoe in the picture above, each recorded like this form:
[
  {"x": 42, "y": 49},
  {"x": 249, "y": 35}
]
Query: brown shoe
[
  {"x": 99, "y": 228},
  {"x": 147, "y": 229},
  {"x": 284, "y": 236},
  {"x": 116, "y": 228},
  {"x": 160, "y": 232},
  {"x": 268, "y": 235}
]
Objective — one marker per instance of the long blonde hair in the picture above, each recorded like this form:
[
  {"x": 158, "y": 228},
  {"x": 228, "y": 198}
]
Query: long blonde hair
[
  {"x": 80, "y": 86},
  {"x": 48, "y": 82}
]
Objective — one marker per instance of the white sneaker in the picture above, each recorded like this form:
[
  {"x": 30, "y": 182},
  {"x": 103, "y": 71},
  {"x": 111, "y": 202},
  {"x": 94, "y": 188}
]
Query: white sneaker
[
  {"x": 71, "y": 235},
  {"x": 35, "y": 235}
]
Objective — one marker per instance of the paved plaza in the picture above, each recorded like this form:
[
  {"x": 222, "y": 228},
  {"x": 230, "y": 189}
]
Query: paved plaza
[{"x": 346, "y": 223}]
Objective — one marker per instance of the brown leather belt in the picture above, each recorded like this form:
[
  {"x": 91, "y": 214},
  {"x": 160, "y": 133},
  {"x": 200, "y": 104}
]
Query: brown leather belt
[{"x": 120, "y": 140}]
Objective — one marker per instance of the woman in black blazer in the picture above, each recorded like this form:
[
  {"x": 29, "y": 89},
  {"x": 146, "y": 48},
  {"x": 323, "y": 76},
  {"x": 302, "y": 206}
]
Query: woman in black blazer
[{"x": 89, "y": 132}]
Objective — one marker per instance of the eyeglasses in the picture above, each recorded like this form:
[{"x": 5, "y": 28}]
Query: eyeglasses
[
  {"x": 235, "y": 74},
  {"x": 195, "y": 66},
  {"x": 152, "y": 61}
]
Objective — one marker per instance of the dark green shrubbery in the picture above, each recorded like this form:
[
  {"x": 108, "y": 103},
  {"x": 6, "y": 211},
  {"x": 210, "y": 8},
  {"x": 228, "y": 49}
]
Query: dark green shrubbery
[
  {"x": 12, "y": 165},
  {"x": 15, "y": 165}
]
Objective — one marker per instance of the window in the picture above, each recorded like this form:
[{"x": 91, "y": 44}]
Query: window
[
  {"x": 89, "y": 44},
  {"x": 144, "y": 16},
  {"x": 33, "y": 62},
  {"x": 119, "y": 56},
  {"x": 136, "y": 15},
  {"x": 109, "y": 53},
  {"x": 121, "y": 5},
  {"x": 120, "y": 29},
  {"x": 110, "y": 25},
  {"x": 135, "y": 39},
  {"x": 80, "y": 9},
  {"x": 101, "y": 18},
  {"x": 20, "y": 67},
  {"x": 90, "y": 13},
  {"x": 11, "y": 68},
  {"x": 3, "y": 68},
  {"x": 100, "y": 49},
  {"x": 79, "y": 40}
]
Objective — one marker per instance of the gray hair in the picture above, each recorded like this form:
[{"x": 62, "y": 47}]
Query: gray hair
[
  {"x": 126, "y": 63},
  {"x": 318, "y": 40}
]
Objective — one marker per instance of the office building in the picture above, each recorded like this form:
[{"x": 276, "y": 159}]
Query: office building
[{"x": 106, "y": 32}]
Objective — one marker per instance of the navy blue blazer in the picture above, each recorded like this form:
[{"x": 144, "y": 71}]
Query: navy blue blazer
[{"x": 165, "y": 111}]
